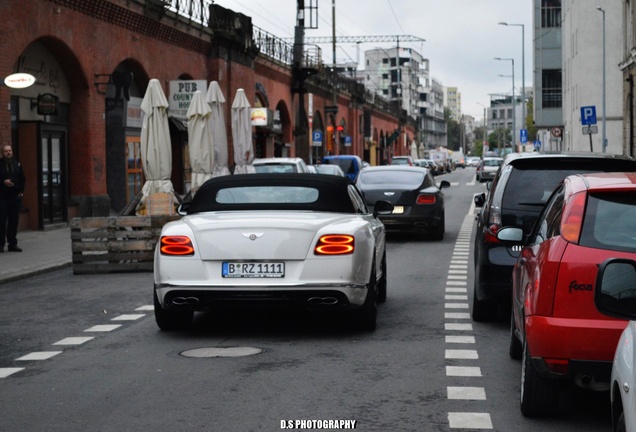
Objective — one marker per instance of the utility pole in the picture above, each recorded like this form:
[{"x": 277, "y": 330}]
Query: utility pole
[{"x": 300, "y": 72}]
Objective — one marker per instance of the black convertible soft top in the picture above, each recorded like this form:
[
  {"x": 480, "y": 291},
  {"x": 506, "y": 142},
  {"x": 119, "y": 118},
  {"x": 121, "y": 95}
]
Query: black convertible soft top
[{"x": 333, "y": 193}]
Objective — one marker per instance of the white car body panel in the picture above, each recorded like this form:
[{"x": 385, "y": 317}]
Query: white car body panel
[{"x": 623, "y": 374}]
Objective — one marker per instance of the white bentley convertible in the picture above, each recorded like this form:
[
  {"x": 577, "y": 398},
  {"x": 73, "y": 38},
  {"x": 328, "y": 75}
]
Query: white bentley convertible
[{"x": 292, "y": 238}]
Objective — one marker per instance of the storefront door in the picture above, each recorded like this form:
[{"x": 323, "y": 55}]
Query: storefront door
[{"x": 53, "y": 175}]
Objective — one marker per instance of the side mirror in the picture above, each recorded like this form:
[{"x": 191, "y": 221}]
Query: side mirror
[
  {"x": 510, "y": 234},
  {"x": 480, "y": 199},
  {"x": 182, "y": 210},
  {"x": 382, "y": 208},
  {"x": 444, "y": 184},
  {"x": 615, "y": 290}
]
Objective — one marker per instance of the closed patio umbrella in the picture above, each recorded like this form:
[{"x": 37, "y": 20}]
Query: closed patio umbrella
[
  {"x": 414, "y": 154},
  {"x": 242, "y": 134},
  {"x": 199, "y": 141},
  {"x": 156, "y": 152},
  {"x": 216, "y": 100}
]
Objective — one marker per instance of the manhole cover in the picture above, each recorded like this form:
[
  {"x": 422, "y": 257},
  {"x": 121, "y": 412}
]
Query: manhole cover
[{"x": 221, "y": 352}]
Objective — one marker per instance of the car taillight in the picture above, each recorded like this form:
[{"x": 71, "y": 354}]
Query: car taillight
[
  {"x": 176, "y": 245},
  {"x": 494, "y": 225},
  {"x": 335, "y": 244},
  {"x": 425, "y": 199},
  {"x": 557, "y": 365},
  {"x": 572, "y": 219}
]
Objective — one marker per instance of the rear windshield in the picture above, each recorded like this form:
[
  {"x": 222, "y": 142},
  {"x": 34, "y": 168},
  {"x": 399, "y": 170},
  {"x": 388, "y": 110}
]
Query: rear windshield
[
  {"x": 610, "y": 222},
  {"x": 276, "y": 168},
  {"x": 492, "y": 162},
  {"x": 346, "y": 165},
  {"x": 267, "y": 194},
  {"x": 401, "y": 179},
  {"x": 532, "y": 186}
]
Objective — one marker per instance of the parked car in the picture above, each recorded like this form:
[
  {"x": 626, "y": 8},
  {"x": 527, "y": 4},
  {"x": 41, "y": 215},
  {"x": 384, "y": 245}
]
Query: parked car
[
  {"x": 472, "y": 161},
  {"x": 418, "y": 201},
  {"x": 430, "y": 164},
  {"x": 555, "y": 326},
  {"x": 515, "y": 199},
  {"x": 487, "y": 168},
  {"x": 268, "y": 238},
  {"x": 328, "y": 169},
  {"x": 402, "y": 160},
  {"x": 615, "y": 295},
  {"x": 280, "y": 165},
  {"x": 350, "y": 164}
]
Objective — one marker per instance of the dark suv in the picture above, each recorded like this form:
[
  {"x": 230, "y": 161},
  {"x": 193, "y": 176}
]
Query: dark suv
[{"x": 515, "y": 198}]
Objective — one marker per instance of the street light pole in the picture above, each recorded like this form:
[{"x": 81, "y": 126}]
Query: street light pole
[
  {"x": 514, "y": 114},
  {"x": 523, "y": 71},
  {"x": 485, "y": 136},
  {"x": 604, "y": 143}
]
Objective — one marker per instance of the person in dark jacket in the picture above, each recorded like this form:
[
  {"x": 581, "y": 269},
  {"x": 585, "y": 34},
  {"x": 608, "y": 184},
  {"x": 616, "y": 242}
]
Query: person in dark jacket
[{"x": 12, "y": 182}]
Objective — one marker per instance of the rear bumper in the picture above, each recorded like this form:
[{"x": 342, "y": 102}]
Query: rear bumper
[
  {"x": 199, "y": 298},
  {"x": 587, "y": 344},
  {"x": 411, "y": 223}
]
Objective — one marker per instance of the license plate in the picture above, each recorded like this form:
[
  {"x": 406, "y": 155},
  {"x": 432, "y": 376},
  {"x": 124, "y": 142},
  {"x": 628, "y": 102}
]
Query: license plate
[
  {"x": 398, "y": 210},
  {"x": 253, "y": 270}
]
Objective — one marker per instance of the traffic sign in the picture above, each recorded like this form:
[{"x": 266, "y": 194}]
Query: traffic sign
[
  {"x": 588, "y": 115},
  {"x": 589, "y": 130},
  {"x": 347, "y": 140},
  {"x": 523, "y": 136},
  {"x": 537, "y": 144},
  {"x": 316, "y": 138}
]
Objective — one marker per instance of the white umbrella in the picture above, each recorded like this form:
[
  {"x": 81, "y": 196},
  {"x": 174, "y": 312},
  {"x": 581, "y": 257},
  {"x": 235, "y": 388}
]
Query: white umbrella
[
  {"x": 156, "y": 152},
  {"x": 242, "y": 134},
  {"x": 199, "y": 141},
  {"x": 216, "y": 100},
  {"x": 414, "y": 154}
]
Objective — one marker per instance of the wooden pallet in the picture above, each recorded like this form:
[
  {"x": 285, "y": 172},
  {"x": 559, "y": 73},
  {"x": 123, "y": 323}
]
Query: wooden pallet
[{"x": 115, "y": 244}]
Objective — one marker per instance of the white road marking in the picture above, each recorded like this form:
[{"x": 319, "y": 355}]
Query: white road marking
[
  {"x": 463, "y": 371},
  {"x": 5, "y": 372},
  {"x": 73, "y": 340},
  {"x": 145, "y": 308},
  {"x": 129, "y": 317},
  {"x": 469, "y": 421},
  {"x": 456, "y": 315},
  {"x": 460, "y": 339},
  {"x": 456, "y": 297},
  {"x": 103, "y": 328},
  {"x": 460, "y": 327},
  {"x": 461, "y": 354},
  {"x": 456, "y": 290},
  {"x": 456, "y": 282},
  {"x": 41, "y": 355},
  {"x": 456, "y": 305},
  {"x": 466, "y": 393}
]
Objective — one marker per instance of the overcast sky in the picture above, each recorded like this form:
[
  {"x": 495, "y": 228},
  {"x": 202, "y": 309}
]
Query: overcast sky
[{"x": 462, "y": 36}]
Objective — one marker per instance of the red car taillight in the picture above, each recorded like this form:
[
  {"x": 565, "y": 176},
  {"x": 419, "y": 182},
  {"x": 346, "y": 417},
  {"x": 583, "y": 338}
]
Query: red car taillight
[
  {"x": 494, "y": 225},
  {"x": 176, "y": 245},
  {"x": 335, "y": 244},
  {"x": 425, "y": 199},
  {"x": 572, "y": 219}
]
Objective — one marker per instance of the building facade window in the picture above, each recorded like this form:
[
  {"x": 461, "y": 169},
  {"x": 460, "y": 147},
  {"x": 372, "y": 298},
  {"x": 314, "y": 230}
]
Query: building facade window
[
  {"x": 552, "y": 88},
  {"x": 550, "y": 13}
]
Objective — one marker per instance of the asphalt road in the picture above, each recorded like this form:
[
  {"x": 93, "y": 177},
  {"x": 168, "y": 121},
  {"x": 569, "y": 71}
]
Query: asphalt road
[{"x": 91, "y": 358}]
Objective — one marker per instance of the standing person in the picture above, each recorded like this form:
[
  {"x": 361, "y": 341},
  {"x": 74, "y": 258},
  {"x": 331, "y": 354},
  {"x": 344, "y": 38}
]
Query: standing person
[{"x": 11, "y": 190}]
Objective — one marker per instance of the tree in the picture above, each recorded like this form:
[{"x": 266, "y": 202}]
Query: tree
[
  {"x": 453, "y": 132},
  {"x": 532, "y": 129}
]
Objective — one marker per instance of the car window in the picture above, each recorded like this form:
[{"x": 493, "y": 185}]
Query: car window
[
  {"x": 358, "y": 201},
  {"x": 276, "y": 168},
  {"x": 610, "y": 222},
  {"x": 405, "y": 179},
  {"x": 264, "y": 195},
  {"x": 531, "y": 187},
  {"x": 549, "y": 222},
  {"x": 492, "y": 162}
]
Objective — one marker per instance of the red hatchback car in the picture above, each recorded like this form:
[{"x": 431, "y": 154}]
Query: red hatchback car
[{"x": 555, "y": 328}]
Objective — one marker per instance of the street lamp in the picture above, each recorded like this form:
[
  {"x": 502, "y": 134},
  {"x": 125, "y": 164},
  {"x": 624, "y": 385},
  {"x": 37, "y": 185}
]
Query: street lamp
[
  {"x": 483, "y": 144},
  {"x": 523, "y": 70},
  {"x": 514, "y": 114},
  {"x": 604, "y": 144}
]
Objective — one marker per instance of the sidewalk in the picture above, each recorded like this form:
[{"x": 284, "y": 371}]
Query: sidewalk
[{"x": 42, "y": 251}]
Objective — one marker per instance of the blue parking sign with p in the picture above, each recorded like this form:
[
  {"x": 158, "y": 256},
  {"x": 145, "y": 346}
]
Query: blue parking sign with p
[
  {"x": 588, "y": 115},
  {"x": 523, "y": 136}
]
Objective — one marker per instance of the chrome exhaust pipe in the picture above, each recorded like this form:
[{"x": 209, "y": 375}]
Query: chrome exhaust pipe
[
  {"x": 322, "y": 301},
  {"x": 181, "y": 301}
]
